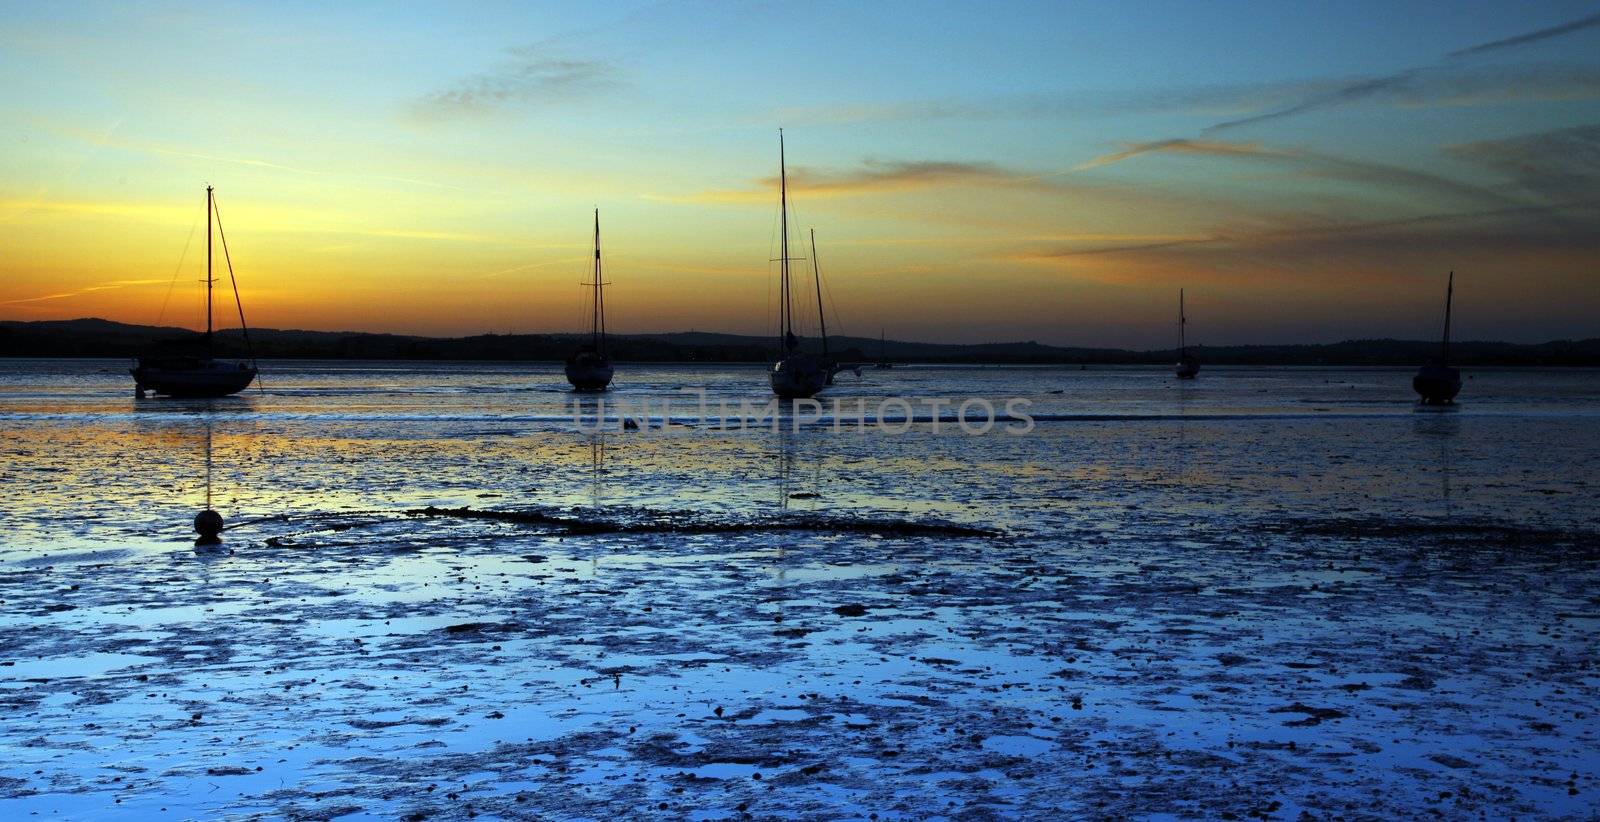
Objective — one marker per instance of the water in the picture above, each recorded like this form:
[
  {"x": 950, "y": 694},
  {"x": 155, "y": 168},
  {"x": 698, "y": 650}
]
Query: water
[{"x": 1293, "y": 581}]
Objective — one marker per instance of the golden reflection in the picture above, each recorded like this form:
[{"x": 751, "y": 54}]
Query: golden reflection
[
  {"x": 208, "y": 523},
  {"x": 597, "y": 466}
]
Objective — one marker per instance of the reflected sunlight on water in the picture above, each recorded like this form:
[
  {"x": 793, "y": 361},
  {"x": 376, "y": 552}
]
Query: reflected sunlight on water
[{"x": 1239, "y": 560}]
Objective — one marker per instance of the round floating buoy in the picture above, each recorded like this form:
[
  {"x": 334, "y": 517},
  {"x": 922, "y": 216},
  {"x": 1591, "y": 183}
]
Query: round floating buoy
[{"x": 208, "y": 524}]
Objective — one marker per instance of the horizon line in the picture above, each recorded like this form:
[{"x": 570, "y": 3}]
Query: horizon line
[{"x": 654, "y": 334}]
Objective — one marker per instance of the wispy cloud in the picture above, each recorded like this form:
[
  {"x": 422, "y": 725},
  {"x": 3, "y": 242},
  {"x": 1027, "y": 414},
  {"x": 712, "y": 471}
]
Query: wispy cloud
[
  {"x": 1080, "y": 103},
  {"x": 1353, "y": 92},
  {"x": 1426, "y": 82},
  {"x": 533, "y": 266},
  {"x": 107, "y": 140},
  {"x": 1560, "y": 165},
  {"x": 1451, "y": 85},
  {"x": 527, "y": 77},
  {"x": 1530, "y": 37},
  {"x": 1211, "y": 148},
  {"x": 1523, "y": 229},
  {"x": 880, "y": 176},
  {"x": 1442, "y": 86},
  {"x": 1311, "y": 163},
  {"x": 282, "y": 221},
  {"x": 105, "y": 286},
  {"x": 165, "y": 212}
]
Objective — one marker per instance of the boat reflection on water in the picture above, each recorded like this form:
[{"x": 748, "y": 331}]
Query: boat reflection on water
[
  {"x": 1443, "y": 429},
  {"x": 208, "y": 523},
  {"x": 239, "y": 404},
  {"x": 597, "y": 467},
  {"x": 796, "y": 490}
]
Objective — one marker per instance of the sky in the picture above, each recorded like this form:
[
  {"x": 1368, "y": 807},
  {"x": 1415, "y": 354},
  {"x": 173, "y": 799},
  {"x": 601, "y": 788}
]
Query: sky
[{"x": 1306, "y": 172}]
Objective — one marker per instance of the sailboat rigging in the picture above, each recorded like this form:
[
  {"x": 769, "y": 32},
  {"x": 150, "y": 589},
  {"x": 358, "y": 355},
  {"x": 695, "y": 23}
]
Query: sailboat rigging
[
  {"x": 589, "y": 369},
  {"x": 798, "y": 374},
  {"x": 1437, "y": 383},
  {"x": 192, "y": 375},
  {"x": 883, "y": 352},
  {"x": 1188, "y": 364}
]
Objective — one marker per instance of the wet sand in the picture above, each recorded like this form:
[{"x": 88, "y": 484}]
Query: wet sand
[{"x": 443, "y": 620}]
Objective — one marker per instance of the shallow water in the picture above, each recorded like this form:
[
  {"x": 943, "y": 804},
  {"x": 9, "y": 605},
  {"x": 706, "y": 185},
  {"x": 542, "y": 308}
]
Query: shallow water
[{"x": 1267, "y": 591}]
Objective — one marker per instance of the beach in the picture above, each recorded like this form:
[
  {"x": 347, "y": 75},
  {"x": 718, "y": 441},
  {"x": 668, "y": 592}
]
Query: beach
[{"x": 450, "y": 589}]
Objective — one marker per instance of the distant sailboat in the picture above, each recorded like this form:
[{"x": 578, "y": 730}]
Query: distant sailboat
[
  {"x": 1438, "y": 383},
  {"x": 883, "y": 352},
  {"x": 199, "y": 375},
  {"x": 797, "y": 374},
  {"x": 589, "y": 369},
  {"x": 1188, "y": 365}
]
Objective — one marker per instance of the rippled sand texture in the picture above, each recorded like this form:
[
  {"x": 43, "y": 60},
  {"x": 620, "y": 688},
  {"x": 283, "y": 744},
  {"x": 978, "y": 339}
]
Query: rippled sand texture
[{"x": 442, "y": 609}]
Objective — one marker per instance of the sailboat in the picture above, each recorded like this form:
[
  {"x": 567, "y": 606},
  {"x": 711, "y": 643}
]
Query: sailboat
[
  {"x": 1438, "y": 383},
  {"x": 797, "y": 374},
  {"x": 1188, "y": 365},
  {"x": 199, "y": 375},
  {"x": 589, "y": 369},
  {"x": 883, "y": 353}
]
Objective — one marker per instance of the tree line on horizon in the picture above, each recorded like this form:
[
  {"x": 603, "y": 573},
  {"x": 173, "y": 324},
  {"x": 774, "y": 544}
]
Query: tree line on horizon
[{"x": 103, "y": 338}]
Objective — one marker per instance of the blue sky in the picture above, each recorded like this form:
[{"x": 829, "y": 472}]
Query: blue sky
[{"x": 975, "y": 171}]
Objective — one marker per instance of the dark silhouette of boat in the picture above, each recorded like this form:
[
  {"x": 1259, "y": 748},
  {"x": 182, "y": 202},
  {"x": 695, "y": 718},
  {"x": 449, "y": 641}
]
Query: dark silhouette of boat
[
  {"x": 1188, "y": 366},
  {"x": 199, "y": 374},
  {"x": 589, "y": 369},
  {"x": 883, "y": 353},
  {"x": 1437, "y": 383},
  {"x": 797, "y": 374}
]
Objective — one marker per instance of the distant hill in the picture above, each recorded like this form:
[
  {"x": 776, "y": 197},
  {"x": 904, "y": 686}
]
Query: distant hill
[{"x": 103, "y": 338}]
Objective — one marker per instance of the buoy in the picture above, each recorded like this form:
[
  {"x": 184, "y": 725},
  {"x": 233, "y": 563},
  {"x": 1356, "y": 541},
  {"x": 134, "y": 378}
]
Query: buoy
[{"x": 208, "y": 524}]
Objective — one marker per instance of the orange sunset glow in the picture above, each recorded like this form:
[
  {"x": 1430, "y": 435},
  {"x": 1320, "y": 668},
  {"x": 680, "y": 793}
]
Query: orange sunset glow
[{"x": 1307, "y": 177}]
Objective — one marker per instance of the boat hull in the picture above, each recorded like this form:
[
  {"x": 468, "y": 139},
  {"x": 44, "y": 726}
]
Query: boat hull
[
  {"x": 798, "y": 376},
  {"x": 1437, "y": 384},
  {"x": 192, "y": 378},
  {"x": 1187, "y": 368},
  {"x": 588, "y": 371}
]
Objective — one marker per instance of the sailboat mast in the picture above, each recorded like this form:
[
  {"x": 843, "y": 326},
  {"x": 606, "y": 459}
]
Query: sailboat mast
[
  {"x": 208, "y": 270},
  {"x": 1183, "y": 322},
  {"x": 783, "y": 255},
  {"x": 1449, "y": 296},
  {"x": 597, "y": 311},
  {"x": 208, "y": 465},
  {"x": 816, "y": 272}
]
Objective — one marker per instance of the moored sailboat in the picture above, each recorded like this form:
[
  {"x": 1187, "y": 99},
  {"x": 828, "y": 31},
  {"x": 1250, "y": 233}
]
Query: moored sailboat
[
  {"x": 589, "y": 368},
  {"x": 797, "y": 374},
  {"x": 199, "y": 374},
  {"x": 883, "y": 352},
  {"x": 1437, "y": 383},
  {"x": 1188, "y": 366}
]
